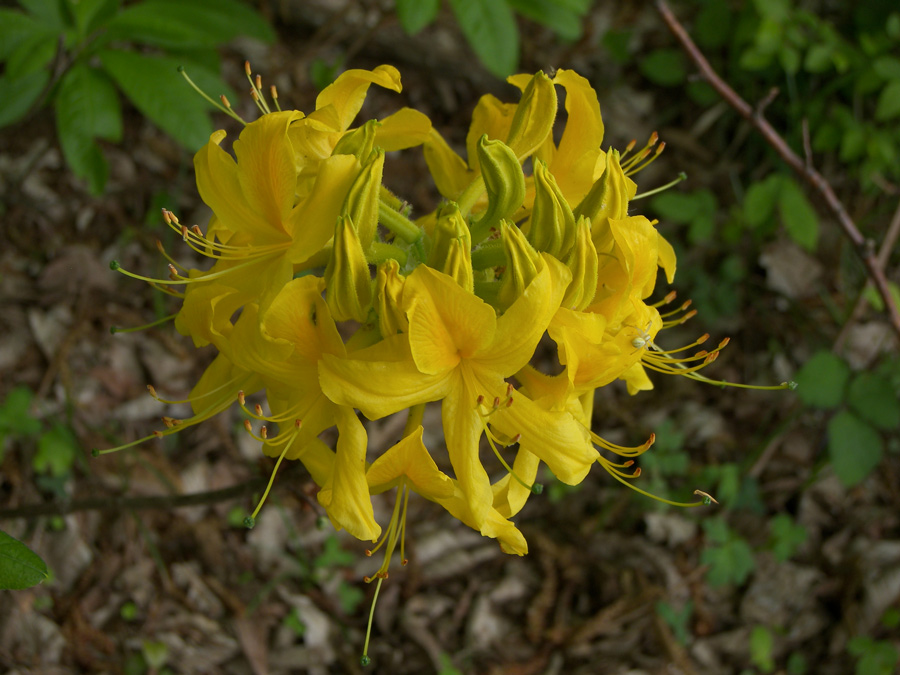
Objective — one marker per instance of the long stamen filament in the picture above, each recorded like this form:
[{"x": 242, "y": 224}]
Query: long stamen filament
[
  {"x": 250, "y": 520},
  {"x": 227, "y": 110},
  {"x": 115, "y": 329}
]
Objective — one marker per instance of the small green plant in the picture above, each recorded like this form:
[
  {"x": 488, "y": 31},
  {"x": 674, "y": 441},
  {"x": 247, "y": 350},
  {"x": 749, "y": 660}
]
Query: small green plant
[
  {"x": 678, "y": 620},
  {"x": 728, "y": 555},
  {"x": 490, "y": 25},
  {"x": 56, "y": 445},
  {"x": 786, "y": 536},
  {"x": 875, "y": 657},
  {"x": 74, "y": 55},
  {"x": 20, "y": 567},
  {"x": 761, "y": 645},
  {"x": 865, "y": 404}
]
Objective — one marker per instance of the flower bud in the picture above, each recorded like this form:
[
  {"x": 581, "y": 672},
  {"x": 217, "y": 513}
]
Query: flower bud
[
  {"x": 359, "y": 142},
  {"x": 608, "y": 198},
  {"x": 533, "y": 120},
  {"x": 451, "y": 250},
  {"x": 551, "y": 227},
  {"x": 582, "y": 262},
  {"x": 504, "y": 182},
  {"x": 388, "y": 289},
  {"x": 348, "y": 284},
  {"x": 361, "y": 204},
  {"x": 523, "y": 264}
]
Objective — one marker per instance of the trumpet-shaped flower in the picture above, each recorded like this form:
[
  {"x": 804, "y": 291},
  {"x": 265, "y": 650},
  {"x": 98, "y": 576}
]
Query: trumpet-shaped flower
[{"x": 458, "y": 351}]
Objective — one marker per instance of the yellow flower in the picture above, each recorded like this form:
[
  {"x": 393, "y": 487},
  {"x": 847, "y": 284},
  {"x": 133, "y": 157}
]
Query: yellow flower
[{"x": 458, "y": 351}]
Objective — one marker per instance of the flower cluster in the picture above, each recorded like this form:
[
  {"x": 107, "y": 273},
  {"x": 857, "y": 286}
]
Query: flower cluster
[{"x": 328, "y": 298}]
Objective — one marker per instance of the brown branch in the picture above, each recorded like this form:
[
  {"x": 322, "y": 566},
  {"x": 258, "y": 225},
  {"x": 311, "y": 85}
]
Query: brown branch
[
  {"x": 62, "y": 508},
  {"x": 865, "y": 249}
]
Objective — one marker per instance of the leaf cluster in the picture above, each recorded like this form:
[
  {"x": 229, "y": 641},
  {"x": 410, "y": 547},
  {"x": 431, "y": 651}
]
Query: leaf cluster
[
  {"x": 865, "y": 406},
  {"x": 490, "y": 26},
  {"x": 76, "y": 56}
]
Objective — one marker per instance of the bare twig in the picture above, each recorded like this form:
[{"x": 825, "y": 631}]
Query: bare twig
[
  {"x": 884, "y": 253},
  {"x": 865, "y": 249}
]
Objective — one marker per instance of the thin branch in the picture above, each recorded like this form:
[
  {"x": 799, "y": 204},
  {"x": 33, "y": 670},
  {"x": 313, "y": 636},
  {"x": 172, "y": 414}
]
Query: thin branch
[
  {"x": 865, "y": 249},
  {"x": 884, "y": 254},
  {"x": 62, "y": 508}
]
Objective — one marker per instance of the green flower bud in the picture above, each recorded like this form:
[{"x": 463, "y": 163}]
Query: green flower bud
[
  {"x": 451, "y": 248},
  {"x": 388, "y": 289},
  {"x": 533, "y": 120},
  {"x": 504, "y": 182},
  {"x": 359, "y": 142},
  {"x": 348, "y": 284},
  {"x": 551, "y": 227},
  {"x": 523, "y": 264},
  {"x": 361, "y": 204},
  {"x": 608, "y": 198},
  {"x": 583, "y": 263}
]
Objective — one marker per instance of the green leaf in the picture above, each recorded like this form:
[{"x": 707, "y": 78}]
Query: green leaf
[
  {"x": 730, "y": 563},
  {"x": 875, "y": 657},
  {"x": 56, "y": 451},
  {"x": 874, "y": 399},
  {"x": 787, "y": 536},
  {"x": 87, "y": 107},
  {"x": 32, "y": 54},
  {"x": 798, "y": 215},
  {"x": 19, "y": 95},
  {"x": 20, "y": 567},
  {"x": 15, "y": 413},
  {"x": 887, "y": 67},
  {"x": 888, "y": 102},
  {"x": 50, "y": 13},
  {"x": 617, "y": 43},
  {"x": 855, "y": 447},
  {"x": 761, "y": 645},
  {"x": 665, "y": 67},
  {"x": 712, "y": 26},
  {"x": 414, "y": 15},
  {"x": 15, "y": 28},
  {"x": 170, "y": 23},
  {"x": 564, "y": 22},
  {"x": 760, "y": 200},
  {"x": 491, "y": 30},
  {"x": 91, "y": 14},
  {"x": 822, "y": 380},
  {"x": 155, "y": 87},
  {"x": 818, "y": 58},
  {"x": 874, "y": 297}
]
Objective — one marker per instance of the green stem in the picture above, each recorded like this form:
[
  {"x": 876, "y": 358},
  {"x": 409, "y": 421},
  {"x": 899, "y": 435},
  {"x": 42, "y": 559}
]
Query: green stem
[
  {"x": 470, "y": 195},
  {"x": 380, "y": 251},
  {"x": 487, "y": 255},
  {"x": 397, "y": 223},
  {"x": 414, "y": 420}
]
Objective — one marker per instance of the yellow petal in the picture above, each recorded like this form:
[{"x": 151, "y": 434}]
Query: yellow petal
[
  {"x": 299, "y": 316},
  {"x": 409, "y": 459},
  {"x": 312, "y": 220},
  {"x": 450, "y": 173},
  {"x": 579, "y": 147},
  {"x": 446, "y": 323},
  {"x": 345, "y": 495},
  {"x": 491, "y": 525},
  {"x": 521, "y": 326},
  {"x": 404, "y": 129},
  {"x": 380, "y": 380},
  {"x": 347, "y": 93},
  {"x": 491, "y": 117},
  {"x": 666, "y": 257}
]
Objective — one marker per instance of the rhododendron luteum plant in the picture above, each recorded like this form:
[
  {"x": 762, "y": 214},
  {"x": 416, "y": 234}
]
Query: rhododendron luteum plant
[{"x": 345, "y": 303}]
